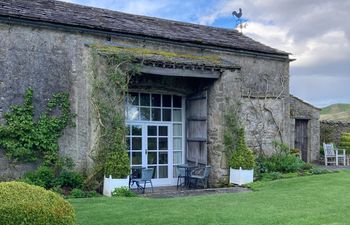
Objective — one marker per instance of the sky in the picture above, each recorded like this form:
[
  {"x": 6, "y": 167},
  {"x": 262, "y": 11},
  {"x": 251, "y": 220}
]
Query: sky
[{"x": 315, "y": 32}]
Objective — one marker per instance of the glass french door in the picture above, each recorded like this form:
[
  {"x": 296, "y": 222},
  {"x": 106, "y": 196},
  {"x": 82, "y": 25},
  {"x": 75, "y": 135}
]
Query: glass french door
[{"x": 151, "y": 146}]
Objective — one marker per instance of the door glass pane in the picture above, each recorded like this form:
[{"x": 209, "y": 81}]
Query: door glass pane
[
  {"x": 127, "y": 130},
  {"x": 145, "y": 99},
  {"x": 163, "y": 144},
  {"x": 177, "y": 158},
  {"x": 163, "y": 171},
  {"x": 152, "y": 130},
  {"x": 152, "y": 158},
  {"x": 177, "y": 130},
  {"x": 137, "y": 158},
  {"x": 163, "y": 158},
  {"x": 136, "y": 143},
  {"x": 156, "y": 100},
  {"x": 136, "y": 130},
  {"x": 166, "y": 114},
  {"x": 127, "y": 142},
  {"x": 166, "y": 100},
  {"x": 145, "y": 113},
  {"x": 154, "y": 171},
  {"x": 155, "y": 114},
  {"x": 163, "y": 131},
  {"x": 177, "y": 116},
  {"x": 152, "y": 144},
  {"x": 132, "y": 112},
  {"x": 133, "y": 98},
  {"x": 177, "y": 144},
  {"x": 177, "y": 101}
]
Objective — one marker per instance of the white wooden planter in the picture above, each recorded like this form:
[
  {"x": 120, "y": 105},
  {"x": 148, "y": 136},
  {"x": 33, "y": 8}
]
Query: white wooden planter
[
  {"x": 109, "y": 184},
  {"x": 240, "y": 176}
]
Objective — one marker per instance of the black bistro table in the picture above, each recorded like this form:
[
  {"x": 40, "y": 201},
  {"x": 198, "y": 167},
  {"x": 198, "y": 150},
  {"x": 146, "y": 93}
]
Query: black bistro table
[{"x": 188, "y": 170}]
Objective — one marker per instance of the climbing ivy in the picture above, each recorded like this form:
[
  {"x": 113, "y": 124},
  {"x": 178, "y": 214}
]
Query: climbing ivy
[
  {"x": 25, "y": 139},
  {"x": 232, "y": 126},
  {"x": 112, "y": 74}
]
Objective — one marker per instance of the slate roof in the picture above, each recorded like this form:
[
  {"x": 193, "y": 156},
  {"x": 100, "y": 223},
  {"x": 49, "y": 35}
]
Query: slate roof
[{"x": 106, "y": 20}]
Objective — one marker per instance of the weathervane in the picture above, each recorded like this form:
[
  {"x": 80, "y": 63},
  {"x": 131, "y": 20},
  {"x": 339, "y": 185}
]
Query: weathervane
[{"x": 239, "y": 22}]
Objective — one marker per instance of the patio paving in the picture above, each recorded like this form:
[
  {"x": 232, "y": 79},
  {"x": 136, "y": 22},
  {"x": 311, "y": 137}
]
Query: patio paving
[{"x": 171, "y": 192}]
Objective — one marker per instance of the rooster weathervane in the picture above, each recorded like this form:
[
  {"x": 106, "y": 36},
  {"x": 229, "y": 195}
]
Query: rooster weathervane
[{"x": 239, "y": 22}]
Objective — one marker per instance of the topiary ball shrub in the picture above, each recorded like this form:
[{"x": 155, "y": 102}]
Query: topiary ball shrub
[{"x": 21, "y": 203}]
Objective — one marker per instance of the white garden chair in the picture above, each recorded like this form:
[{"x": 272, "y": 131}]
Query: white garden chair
[{"x": 333, "y": 155}]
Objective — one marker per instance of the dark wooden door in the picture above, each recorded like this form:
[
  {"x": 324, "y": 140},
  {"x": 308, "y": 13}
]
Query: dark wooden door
[
  {"x": 196, "y": 128},
  {"x": 301, "y": 138}
]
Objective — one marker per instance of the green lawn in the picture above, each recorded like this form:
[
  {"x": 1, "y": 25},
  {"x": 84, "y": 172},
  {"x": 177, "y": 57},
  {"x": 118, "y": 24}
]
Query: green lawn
[{"x": 319, "y": 199}]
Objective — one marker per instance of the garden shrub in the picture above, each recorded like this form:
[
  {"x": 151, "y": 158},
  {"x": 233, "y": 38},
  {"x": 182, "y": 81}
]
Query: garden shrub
[
  {"x": 307, "y": 166},
  {"x": 43, "y": 176},
  {"x": 77, "y": 193},
  {"x": 282, "y": 160},
  {"x": 25, "y": 204},
  {"x": 319, "y": 171},
  {"x": 123, "y": 192},
  {"x": 242, "y": 156},
  {"x": 69, "y": 179},
  {"x": 345, "y": 142}
]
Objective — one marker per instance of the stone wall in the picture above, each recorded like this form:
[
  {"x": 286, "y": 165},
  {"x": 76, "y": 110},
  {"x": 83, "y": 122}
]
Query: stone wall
[
  {"x": 331, "y": 131},
  {"x": 51, "y": 61}
]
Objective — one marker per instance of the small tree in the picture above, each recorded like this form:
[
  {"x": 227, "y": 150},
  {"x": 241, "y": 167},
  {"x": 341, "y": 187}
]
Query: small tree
[{"x": 242, "y": 156}]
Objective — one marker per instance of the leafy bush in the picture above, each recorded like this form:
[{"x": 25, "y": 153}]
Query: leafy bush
[
  {"x": 21, "y": 203},
  {"x": 345, "y": 142},
  {"x": 275, "y": 175},
  {"x": 117, "y": 164},
  {"x": 282, "y": 161},
  {"x": 319, "y": 171},
  {"x": 69, "y": 179},
  {"x": 43, "y": 177},
  {"x": 242, "y": 156},
  {"x": 123, "y": 192},
  {"x": 307, "y": 166},
  {"x": 77, "y": 193}
]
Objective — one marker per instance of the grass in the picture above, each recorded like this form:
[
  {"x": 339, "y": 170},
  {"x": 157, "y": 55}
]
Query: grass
[
  {"x": 336, "y": 112},
  {"x": 319, "y": 199}
]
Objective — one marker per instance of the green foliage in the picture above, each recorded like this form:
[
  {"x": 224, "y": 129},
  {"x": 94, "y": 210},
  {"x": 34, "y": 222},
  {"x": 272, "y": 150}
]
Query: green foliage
[
  {"x": 307, "y": 166},
  {"x": 282, "y": 160},
  {"x": 43, "y": 177},
  {"x": 232, "y": 127},
  {"x": 345, "y": 142},
  {"x": 317, "y": 171},
  {"x": 123, "y": 192},
  {"x": 69, "y": 179},
  {"x": 108, "y": 95},
  {"x": 21, "y": 203},
  {"x": 117, "y": 164},
  {"x": 77, "y": 193},
  {"x": 242, "y": 156},
  {"x": 27, "y": 140}
]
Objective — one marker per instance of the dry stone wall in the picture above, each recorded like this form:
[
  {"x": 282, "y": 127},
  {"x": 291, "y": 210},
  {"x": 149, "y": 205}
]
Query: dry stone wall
[{"x": 331, "y": 131}]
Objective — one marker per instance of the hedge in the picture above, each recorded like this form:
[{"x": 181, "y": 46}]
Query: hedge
[{"x": 21, "y": 203}]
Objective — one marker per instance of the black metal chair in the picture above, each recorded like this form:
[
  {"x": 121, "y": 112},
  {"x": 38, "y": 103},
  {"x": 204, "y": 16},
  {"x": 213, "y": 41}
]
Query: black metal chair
[
  {"x": 200, "y": 175},
  {"x": 146, "y": 177},
  {"x": 181, "y": 174}
]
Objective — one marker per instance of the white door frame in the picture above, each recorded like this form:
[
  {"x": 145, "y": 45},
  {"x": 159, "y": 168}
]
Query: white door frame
[{"x": 158, "y": 181}]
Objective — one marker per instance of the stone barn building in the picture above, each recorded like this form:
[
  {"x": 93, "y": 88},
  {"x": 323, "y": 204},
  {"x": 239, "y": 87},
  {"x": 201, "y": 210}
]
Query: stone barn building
[{"x": 190, "y": 75}]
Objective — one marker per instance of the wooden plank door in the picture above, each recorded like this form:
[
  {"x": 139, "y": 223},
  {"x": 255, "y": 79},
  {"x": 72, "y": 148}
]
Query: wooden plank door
[
  {"x": 301, "y": 138},
  {"x": 196, "y": 128}
]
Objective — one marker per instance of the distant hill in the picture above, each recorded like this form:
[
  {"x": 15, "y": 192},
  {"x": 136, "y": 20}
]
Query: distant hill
[{"x": 339, "y": 112}]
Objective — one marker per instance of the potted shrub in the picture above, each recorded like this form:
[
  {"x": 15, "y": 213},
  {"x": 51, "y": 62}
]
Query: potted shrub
[
  {"x": 117, "y": 170},
  {"x": 242, "y": 162}
]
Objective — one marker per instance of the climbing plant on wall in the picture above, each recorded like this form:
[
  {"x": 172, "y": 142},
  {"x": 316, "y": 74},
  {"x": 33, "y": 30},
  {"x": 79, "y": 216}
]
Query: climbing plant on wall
[
  {"x": 25, "y": 139},
  {"x": 112, "y": 73}
]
